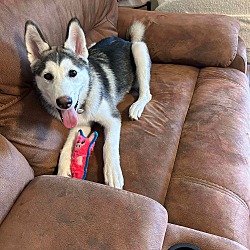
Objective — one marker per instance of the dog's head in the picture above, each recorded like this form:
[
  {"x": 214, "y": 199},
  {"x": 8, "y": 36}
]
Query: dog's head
[{"x": 61, "y": 73}]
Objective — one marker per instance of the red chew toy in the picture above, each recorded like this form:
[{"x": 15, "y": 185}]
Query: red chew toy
[{"x": 83, "y": 146}]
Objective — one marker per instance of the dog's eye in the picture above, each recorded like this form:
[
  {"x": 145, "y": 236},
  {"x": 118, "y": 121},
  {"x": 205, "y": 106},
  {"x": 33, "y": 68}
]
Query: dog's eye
[
  {"x": 72, "y": 73},
  {"x": 48, "y": 76}
]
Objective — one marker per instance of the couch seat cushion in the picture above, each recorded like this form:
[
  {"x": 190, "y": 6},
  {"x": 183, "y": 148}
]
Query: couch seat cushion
[
  {"x": 211, "y": 174},
  {"x": 148, "y": 146}
]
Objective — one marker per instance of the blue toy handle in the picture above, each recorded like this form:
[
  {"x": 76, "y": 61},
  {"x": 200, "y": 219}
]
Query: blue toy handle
[{"x": 88, "y": 154}]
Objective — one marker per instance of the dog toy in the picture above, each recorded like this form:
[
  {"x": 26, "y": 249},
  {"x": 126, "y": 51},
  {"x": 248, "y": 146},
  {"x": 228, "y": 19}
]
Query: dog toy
[{"x": 83, "y": 146}]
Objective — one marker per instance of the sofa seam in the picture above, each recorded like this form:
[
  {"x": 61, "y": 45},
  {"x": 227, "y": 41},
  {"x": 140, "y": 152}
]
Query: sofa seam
[
  {"x": 216, "y": 187},
  {"x": 15, "y": 100},
  {"x": 108, "y": 15},
  {"x": 182, "y": 128},
  {"x": 131, "y": 193},
  {"x": 106, "y": 19}
]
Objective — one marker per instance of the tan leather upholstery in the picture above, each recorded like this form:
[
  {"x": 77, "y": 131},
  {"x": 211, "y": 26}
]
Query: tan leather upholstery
[
  {"x": 189, "y": 152},
  {"x": 15, "y": 174},
  {"x": 196, "y": 46},
  {"x": 99, "y": 217}
]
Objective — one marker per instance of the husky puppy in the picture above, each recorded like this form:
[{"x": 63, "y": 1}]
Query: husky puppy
[{"x": 80, "y": 86}]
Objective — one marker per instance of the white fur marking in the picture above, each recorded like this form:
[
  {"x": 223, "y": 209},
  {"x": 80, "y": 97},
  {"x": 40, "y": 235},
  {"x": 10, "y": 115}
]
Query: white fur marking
[
  {"x": 112, "y": 128},
  {"x": 111, "y": 78},
  {"x": 62, "y": 84},
  {"x": 137, "y": 31},
  {"x": 143, "y": 64}
]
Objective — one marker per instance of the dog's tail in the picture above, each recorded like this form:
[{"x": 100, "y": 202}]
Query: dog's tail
[{"x": 136, "y": 31}]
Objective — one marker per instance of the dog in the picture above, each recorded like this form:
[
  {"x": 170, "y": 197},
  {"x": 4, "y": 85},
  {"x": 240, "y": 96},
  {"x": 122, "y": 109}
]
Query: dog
[{"x": 80, "y": 85}]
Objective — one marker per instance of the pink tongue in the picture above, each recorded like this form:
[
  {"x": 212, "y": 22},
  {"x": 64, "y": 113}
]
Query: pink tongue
[{"x": 70, "y": 119}]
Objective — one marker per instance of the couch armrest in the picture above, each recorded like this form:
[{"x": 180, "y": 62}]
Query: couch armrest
[
  {"x": 190, "y": 39},
  {"x": 15, "y": 173},
  {"x": 240, "y": 60},
  {"x": 61, "y": 213}
]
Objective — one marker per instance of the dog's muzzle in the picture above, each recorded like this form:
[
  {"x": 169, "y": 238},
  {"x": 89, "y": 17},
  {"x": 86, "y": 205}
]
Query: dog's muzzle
[{"x": 67, "y": 113}]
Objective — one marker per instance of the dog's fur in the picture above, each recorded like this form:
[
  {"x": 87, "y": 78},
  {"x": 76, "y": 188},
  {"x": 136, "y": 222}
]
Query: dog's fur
[{"x": 82, "y": 86}]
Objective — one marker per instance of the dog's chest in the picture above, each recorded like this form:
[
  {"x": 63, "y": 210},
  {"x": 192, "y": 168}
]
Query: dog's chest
[{"x": 94, "y": 113}]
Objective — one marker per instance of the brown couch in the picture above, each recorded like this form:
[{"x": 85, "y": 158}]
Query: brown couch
[{"x": 186, "y": 162}]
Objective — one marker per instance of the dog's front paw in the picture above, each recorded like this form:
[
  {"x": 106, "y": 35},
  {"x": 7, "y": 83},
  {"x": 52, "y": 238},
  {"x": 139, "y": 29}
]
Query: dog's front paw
[
  {"x": 137, "y": 108},
  {"x": 113, "y": 176},
  {"x": 65, "y": 173},
  {"x": 64, "y": 166}
]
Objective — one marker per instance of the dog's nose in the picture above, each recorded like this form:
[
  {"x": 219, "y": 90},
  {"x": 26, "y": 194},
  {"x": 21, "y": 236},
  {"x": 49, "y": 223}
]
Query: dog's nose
[{"x": 64, "y": 102}]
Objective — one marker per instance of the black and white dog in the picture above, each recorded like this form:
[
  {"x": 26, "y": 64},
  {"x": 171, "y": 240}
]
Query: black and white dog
[{"x": 80, "y": 86}]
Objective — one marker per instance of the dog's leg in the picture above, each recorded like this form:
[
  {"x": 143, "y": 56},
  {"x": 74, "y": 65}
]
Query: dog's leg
[
  {"x": 66, "y": 153},
  {"x": 112, "y": 169},
  {"x": 143, "y": 65}
]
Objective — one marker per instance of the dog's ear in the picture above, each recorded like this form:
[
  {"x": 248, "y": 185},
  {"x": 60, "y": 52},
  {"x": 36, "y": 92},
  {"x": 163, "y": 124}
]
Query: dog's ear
[
  {"x": 75, "y": 39},
  {"x": 34, "y": 41}
]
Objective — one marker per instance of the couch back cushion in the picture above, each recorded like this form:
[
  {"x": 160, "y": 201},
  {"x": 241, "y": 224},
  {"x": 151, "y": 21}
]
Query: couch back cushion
[
  {"x": 22, "y": 119},
  {"x": 239, "y": 9},
  {"x": 188, "y": 39}
]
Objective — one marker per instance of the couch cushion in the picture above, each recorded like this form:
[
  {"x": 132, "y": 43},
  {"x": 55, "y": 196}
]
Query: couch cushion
[
  {"x": 22, "y": 119},
  {"x": 195, "y": 40},
  {"x": 211, "y": 173},
  {"x": 61, "y": 213},
  {"x": 36, "y": 134},
  {"x": 148, "y": 146},
  {"x": 238, "y": 9}
]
